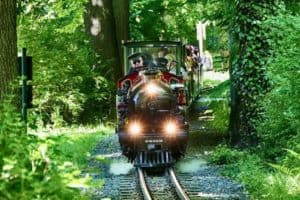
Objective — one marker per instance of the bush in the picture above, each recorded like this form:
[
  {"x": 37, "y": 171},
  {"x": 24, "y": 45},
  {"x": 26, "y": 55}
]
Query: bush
[
  {"x": 69, "y": 83},
  {"x": 224, "y": 155},
  {"x": 261, "y": 180},
  {"x": 280, "y": 127},
  {"x": 26, "y": 171}
]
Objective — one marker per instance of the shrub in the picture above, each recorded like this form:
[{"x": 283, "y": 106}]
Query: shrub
[
  {"x": 280, "y": 124},
  {"x": 26, "y": 172},
  {"x": 69, "y": 83},
  {"x": 224, "y": 155},
  {"x": 262, "y": 181}
]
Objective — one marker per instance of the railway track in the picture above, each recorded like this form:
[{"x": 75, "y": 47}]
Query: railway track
[{"x": 161, "y": 187}]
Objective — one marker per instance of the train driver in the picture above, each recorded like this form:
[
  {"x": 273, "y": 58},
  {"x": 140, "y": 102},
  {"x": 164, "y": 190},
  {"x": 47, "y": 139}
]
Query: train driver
[{"x": 136, "y": 60}]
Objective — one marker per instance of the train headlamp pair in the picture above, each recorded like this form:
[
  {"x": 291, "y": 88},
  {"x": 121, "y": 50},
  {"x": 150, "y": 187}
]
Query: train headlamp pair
[{"x": 135, "y": 128}]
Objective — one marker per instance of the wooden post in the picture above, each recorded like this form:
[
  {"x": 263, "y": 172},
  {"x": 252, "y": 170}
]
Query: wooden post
[{"x": 201, "y": 36}]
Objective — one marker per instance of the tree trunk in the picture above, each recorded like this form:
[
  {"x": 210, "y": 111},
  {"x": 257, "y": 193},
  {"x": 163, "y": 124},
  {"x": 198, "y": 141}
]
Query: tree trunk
[
  {"x": 121, "y": 15},
  {"x": 8, "y": 46},
  {"x": 234, "y": 119},
  {"x": 106, "y": 21},
  {"x": 248, "y": 69}
]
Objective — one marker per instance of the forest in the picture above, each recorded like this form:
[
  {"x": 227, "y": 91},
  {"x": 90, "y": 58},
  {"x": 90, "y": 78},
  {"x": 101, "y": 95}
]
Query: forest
[{"x": 47, "y": 145}]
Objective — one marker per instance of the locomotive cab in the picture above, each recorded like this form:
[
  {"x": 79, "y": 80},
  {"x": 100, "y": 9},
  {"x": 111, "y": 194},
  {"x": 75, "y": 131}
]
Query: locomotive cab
[{"x": 150, "y": 104}]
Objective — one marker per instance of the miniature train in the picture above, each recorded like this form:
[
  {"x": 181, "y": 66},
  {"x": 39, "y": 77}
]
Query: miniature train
[{"x": 151, "y": 103}]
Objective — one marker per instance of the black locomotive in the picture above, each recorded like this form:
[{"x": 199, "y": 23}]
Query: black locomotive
[{"x": 151, "y": 104}]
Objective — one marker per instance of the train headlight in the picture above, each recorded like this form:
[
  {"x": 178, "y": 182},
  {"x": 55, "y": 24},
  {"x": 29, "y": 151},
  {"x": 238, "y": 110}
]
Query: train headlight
[
  {"x": 151, "y": 89},
  {"x": 170, "y": 128},
  {"x": 135, "y": 128}
]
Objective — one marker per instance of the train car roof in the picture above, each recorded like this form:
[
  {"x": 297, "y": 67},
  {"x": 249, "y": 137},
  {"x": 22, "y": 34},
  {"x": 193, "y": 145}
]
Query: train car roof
[{"x": 151, "y": 43}]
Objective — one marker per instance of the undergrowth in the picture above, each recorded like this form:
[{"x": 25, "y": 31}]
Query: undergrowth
[
  {"x": 221, "y": 90},
  {"x": 27, "y": 172},
  {"x": 261, "y": 179},
  {"x": 271, "y": 170},
  {"x": 41, "y": 165}
]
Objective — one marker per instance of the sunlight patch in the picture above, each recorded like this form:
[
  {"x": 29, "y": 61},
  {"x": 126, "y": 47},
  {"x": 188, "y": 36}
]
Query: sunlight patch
[
  {"x": 193, "y": 165},
  {"x": 97, "y": 3},
  {"x": 120, "y": 167},
  {"x": 96, "y": 26}
]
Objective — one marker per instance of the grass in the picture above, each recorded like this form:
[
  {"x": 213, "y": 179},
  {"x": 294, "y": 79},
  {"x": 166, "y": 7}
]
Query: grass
[
  {"x": 217, "y": 100},
  {"x": 73, "y": 144},
  {"x": 260, "y": 178},
  {"x": 76, "y": 148},
  {"x": 219, "y": 91},
  {"x": 211, "y": 83},
  {"x": 70, "y": 149}
]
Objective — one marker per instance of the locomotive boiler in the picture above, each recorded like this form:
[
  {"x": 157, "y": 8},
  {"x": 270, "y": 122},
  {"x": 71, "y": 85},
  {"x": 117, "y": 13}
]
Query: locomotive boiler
[{"x": 151, "y": 103}]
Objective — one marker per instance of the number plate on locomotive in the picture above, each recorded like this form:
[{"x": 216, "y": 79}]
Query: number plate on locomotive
[{"x": 154, "y": 141}]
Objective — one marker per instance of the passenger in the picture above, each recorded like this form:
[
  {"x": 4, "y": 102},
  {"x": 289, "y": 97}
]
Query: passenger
[
  {"x": 171, "y": 63},
  {"x": 191, "y": 61},
  {"x": 161, "y": 61},
  {"x": 207, "y": 61},
  {"x": 172, "y": 66},
  {"x": 162, "y": 52}
]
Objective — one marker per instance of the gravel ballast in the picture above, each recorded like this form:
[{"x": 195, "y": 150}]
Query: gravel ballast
[{"x": 200, "y": 180}]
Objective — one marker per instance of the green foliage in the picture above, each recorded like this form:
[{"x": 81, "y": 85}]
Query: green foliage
[
  {"x": 144, "y": 23},
  {"x": 67, "y": 88},
  {"x": 75, "y": 147},
  {"x": 216, "y": 100},
  {"x": 223, "y": 155},
  {"x": 292, "y": 159},
  {"x": 172, "y": 20},
  {"x": 221, "y": 90},
  {"x": 249, "y": 65},
  {"x": 280, "y": 124},
  {"x": 292, "y": 6},
  {"x": 218, "y": 111},
  {"x": 25, "y": 168},
  {"x": 259, "y": 180},
  {"x": 71, "y": 148}
]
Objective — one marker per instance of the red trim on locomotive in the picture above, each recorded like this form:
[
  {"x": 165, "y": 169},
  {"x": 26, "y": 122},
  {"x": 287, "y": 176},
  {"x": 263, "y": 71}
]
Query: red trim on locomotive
[
  {"x": 134, "y": 78},
  {"x": 167, "y": 77}
]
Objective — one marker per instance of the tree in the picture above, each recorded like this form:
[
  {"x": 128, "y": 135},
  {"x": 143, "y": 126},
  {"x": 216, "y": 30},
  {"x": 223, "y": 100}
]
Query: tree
[
  {"x": 8, "y": 46},
  {"x": 67, "y": 87},
  {"x": 165, "y": 20},
  {"x": 249, "y": 79},
  {"x": 106, "y": 21}
]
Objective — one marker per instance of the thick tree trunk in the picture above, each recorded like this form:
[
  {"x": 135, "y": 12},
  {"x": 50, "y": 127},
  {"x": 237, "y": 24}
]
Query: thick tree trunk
[
  {"x": 121, "y": 15},
  {"x": 8, "y": 46},
  {"x": 248, "y": 72},
  {"x": 106, "y": 21},
  {"x": 234, "y": 119}
]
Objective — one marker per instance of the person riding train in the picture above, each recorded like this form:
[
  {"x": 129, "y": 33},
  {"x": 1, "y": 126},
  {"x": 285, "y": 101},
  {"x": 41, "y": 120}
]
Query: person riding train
[
  {"x": 161, "y": 61},
  {"x": 136, "y": 60},
  {"x": 140, "y": 59}
]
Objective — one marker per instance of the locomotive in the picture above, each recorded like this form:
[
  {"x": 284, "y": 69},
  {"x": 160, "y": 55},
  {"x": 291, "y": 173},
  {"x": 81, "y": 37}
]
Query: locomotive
[{"x": 151, "y": 104}]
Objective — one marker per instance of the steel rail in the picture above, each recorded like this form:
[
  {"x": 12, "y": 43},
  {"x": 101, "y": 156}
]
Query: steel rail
[
  {"x": 143, "y": 184},
  {"x": 180, "y": 192}
]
